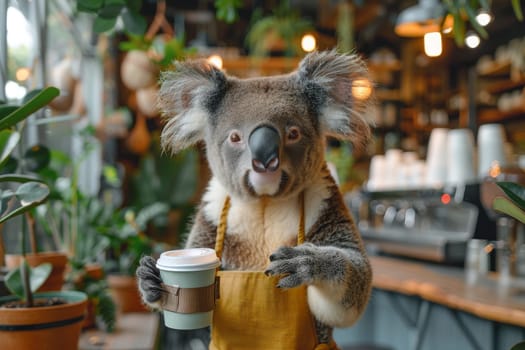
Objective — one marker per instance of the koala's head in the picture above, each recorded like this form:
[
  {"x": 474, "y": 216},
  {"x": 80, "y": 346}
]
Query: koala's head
[{"x": 264, "y": 136}]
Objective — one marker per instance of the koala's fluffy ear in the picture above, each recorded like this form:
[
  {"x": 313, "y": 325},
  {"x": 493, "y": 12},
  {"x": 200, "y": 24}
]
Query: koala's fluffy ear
[
  {"x": 327, "y": 79},
  {"x": 184, "y": 101}
]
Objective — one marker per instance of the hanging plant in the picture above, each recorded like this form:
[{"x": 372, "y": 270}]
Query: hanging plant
[
  {"x": 464, "y": 13},
  {"x": 282, "y": 31},
  {"x": 107, "y": 12}
]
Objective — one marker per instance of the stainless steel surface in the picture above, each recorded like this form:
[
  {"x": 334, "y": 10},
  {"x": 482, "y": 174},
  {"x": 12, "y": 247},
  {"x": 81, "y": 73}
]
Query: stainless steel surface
[{"x": 431, "y": 225}]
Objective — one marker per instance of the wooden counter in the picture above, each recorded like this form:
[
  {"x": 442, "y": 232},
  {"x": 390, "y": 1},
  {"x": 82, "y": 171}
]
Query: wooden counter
[{"x": 447, "y": 286}]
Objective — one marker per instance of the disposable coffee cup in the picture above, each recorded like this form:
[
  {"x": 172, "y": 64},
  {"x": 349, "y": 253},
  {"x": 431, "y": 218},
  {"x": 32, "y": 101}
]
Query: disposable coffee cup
[{"x": 189, "y": 278}]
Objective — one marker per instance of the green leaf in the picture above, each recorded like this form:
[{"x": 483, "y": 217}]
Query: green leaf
[
  {"x": 5, "y": 197},
  {"x": 31, "y": 94},
  {"x": 101, "y": 25},
  {"x": 37, "y": 276},
  {"x": 150, "y": 212},
  {"x": 505, "y": 206},
  {"x": 516, "y": 6},
  {"x": 518, "y": 346},
  {"x": 89, "y": 5},
  {"x": 474, "y": 22},
  {"x": 516, "y": 192},
  {"x": 32, "y": 192},
  {"x": 40, "y": 100},
  {"x": 9, "y": 166},
  {"x": 134, "y": 23},
  {"x": 37, "y": 157},
  {"x": 30, "y": 195},
  {"x": 5, "y": 110},
  {"x": 111, "y": 9},
  {"x": 134, "y": 5},
  {"x": 8, "y": 141},
  {"x": 19, "y": 178}
]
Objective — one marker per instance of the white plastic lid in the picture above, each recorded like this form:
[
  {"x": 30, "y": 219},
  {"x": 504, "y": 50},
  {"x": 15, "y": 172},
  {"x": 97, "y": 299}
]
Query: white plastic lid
[{"x": 193, "y": 259}]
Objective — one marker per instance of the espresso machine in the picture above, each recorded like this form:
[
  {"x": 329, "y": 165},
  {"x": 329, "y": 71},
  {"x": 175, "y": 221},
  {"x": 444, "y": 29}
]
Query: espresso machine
[{"x": 432, "y": 224}]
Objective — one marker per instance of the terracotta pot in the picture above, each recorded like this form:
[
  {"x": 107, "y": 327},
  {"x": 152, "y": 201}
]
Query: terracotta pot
[
  {"x": 125, "y": 293},
  {"x": 95, "y": 272},
  {"x": 45, "y": 328},
  {"x": 57, "y": 259},
  {"x": 91, "y": 315}
]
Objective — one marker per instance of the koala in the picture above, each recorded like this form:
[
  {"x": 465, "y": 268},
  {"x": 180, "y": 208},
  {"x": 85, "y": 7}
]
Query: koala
[{"x": 265, "y": 142}]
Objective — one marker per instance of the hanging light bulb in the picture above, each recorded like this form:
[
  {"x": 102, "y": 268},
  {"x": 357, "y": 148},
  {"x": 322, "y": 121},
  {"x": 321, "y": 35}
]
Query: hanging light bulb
[
  {"x": 308, "y": 43},
  {"x": 216, "y": 60},
  {"x": 472, "y": 39},
  {"x": 483, "y": 17},
  {"x": 361, "y": 88},
  {"x": 433, "y": 45}
]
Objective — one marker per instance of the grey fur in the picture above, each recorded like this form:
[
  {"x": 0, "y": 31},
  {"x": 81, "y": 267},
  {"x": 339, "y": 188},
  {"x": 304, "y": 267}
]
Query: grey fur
[{"x": 202, "y": 104}]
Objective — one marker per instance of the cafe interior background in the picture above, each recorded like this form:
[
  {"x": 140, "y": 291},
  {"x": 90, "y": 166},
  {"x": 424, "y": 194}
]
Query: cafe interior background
[{"x": 448, "y": 121}]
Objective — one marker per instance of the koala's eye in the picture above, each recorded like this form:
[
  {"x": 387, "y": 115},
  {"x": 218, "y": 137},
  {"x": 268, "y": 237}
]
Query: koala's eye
[
  {"x": 235, "y": 137},
  {"x": 293, "y": 134}
]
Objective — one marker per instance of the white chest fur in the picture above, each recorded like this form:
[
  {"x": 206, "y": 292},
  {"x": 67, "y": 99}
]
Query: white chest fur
[{"x": 264, "y": 225}]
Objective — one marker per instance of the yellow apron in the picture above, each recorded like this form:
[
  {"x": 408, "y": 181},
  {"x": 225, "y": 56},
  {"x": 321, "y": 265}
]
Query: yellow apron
[{"x": 253, "y": 314}]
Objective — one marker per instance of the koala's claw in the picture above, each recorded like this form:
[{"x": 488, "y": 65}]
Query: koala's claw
[
  {"x": 295, "y": 264},
  {"x": 150, "y": 283}
]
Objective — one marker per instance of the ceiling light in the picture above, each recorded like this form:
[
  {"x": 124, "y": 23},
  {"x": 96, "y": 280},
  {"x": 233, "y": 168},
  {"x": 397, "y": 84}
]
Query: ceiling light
[
  {"x": 483, "y": 17},
  {"x": 433, "y": 45},
  {"x": 472, "y": 39},
  {"x": 416, "y": 21}
]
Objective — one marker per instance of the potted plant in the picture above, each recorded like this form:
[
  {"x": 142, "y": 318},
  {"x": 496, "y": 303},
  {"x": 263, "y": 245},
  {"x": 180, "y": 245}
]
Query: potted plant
[
  {"x": 31, "y": 161},
  {"x": 57, "y": 319},
  {"x": 72, "y": 219},
  {"x": 128, "y": 243}
]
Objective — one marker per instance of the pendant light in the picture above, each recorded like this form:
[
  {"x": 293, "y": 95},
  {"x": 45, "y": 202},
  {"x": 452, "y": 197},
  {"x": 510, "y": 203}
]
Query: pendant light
[{"x": 417, "y": 20}]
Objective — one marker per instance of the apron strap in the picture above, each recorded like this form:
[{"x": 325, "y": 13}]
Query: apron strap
[
  {"x": 223, "y": 224},
  {"x": 221, "y": 228},
  {"x": 300, "y": 232}
]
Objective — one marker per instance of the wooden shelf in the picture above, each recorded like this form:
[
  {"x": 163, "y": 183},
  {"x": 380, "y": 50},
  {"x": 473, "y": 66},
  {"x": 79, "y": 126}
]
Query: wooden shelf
[
  {"x": 495, "y": 115},
  {"x": 389, "y": 66},
  {"x": 496, "y": 69},
  {"x": 388, "y": 95},
  {"x": 504, "y": 85},
  {"x": 262, "y": 63}
]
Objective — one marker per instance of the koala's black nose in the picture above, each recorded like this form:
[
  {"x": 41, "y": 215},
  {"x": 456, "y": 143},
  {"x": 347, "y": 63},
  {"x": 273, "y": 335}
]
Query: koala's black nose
[{"x": 264, "y": 143}]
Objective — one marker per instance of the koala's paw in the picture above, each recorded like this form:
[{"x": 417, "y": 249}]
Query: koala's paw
[
  {"x": 307, "y": 264},
  {"x": 149, "y": 281}
]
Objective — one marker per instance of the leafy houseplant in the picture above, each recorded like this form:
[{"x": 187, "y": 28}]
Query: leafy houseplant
[
  {"x": 31, "y": 193},
  {"x": 73, "y": 218},
  {"x": 128, "y": 243},
  {"x": 281, "y": 31},
  {"x": 57, "y": 322}
]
